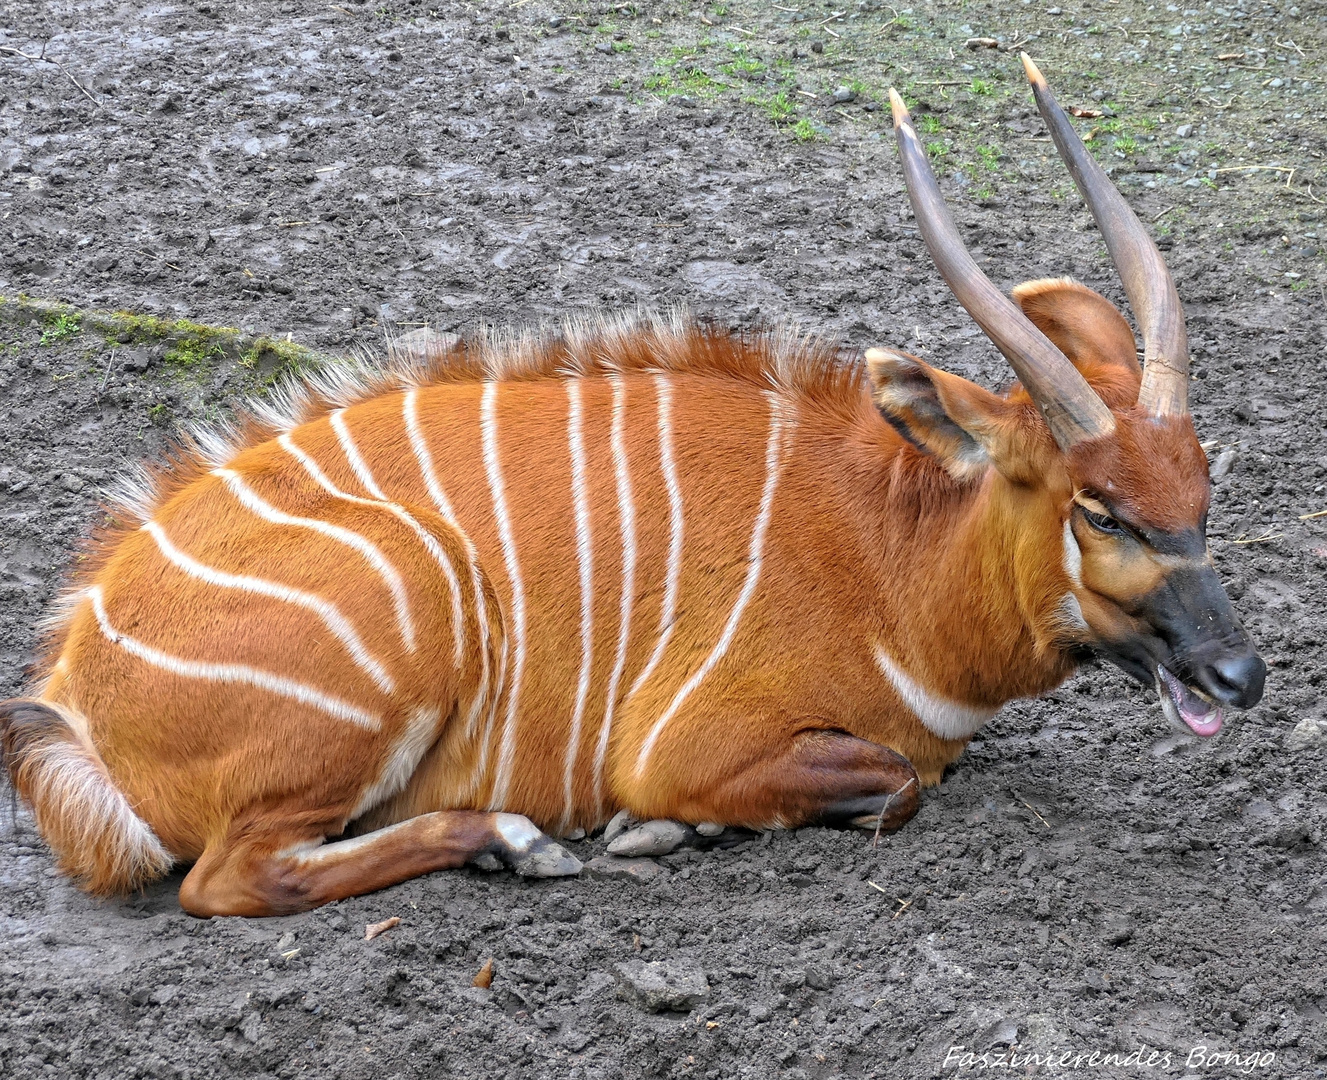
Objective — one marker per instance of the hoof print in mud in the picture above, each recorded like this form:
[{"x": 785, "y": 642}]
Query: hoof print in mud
[{"x": 660, "y": 986}]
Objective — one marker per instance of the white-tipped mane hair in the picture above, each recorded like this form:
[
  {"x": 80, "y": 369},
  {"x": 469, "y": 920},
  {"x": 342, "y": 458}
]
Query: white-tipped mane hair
[{"x": 782, "y": 358}]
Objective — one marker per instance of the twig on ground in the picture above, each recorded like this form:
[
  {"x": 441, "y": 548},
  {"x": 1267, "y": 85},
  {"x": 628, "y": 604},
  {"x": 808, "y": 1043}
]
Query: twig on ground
[
  {"x": 1163, "y": 213},
  {"x": 877, "y": 888},
  {"x": 1315, "y": 514},
  {"x": 1032, "y": 808},
  {"x": 888, "y": 803},
  {"x": 906, "y": 904},
  {"x": 42, "y": 58},
  {"x": 1258, "y": 539}
]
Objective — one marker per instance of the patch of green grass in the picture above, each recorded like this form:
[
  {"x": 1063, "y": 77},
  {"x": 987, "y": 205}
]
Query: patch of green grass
[
  {"x": 936, "y": 150},
  {"x": 778, "y": 107},
  {"x": 59, "y": 326},
  {"x": 930, "y": 125},
  {"x": 803, "y": 130},
  {"x": 691, "y": 81},
  {"x": 159, "y": 414},
  {"x": 984, "y": 192},
  {"x": 1300, "y": 285},
  {"x": 990, "y": 156},
  {"x": 622, "y": 46},
  {"x": 1126, "y": 144},
  {"x": 981, "y": 87}
]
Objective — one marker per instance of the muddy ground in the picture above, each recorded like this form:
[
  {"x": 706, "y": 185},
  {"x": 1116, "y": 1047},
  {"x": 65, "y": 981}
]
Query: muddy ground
[{"x": 1085, "y": 880}]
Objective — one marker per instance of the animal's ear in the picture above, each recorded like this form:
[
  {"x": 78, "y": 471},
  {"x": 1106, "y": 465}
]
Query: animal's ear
[
  {"x": 966, "y": 427},
  {"x": 1090, "y": 331}
]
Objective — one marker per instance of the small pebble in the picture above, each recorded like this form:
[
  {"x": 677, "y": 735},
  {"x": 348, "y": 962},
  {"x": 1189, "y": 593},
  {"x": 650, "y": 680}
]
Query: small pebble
[
  {"x": 845, "y": 94},
  {"x": 1305, "y": 735}
]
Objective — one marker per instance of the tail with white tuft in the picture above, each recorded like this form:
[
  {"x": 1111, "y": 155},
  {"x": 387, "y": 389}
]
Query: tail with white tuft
[{"x": 97, "y": 838}]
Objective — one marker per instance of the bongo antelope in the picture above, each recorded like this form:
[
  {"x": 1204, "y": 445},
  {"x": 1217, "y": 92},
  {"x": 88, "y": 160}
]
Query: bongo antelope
[{"x": 406, "y": 619}]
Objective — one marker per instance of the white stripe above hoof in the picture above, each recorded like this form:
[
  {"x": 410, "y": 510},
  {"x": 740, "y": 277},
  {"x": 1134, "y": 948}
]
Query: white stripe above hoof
[{"x": 529, "y": 852}]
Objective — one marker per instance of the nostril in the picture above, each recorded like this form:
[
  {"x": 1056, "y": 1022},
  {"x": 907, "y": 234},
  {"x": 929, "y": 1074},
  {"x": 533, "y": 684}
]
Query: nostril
[{"x": 1241, "y": 677}]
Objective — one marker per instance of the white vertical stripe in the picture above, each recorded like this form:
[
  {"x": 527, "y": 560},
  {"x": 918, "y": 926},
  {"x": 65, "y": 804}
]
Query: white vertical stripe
[
  {"x": 488, "y": 426},
  {"x": 580, "y": 503},
  {"x": 627, "y": 516},
  {"x": 673, "y": 573},
  {"x": 252, "y": 502},
  {"x": 424, "y": 458},
  {"x": 426, "y": 538},
  {"x": 351, "y": 451},
  {"x": 230, "y": 673},
  {"x": 330, "y": 614},
  {"x": 755, "y": 560}
]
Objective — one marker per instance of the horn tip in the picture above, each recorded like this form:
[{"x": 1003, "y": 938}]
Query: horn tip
[
  {"x": 898, "y": 107},
  {"x": 1035, "y": 77}
]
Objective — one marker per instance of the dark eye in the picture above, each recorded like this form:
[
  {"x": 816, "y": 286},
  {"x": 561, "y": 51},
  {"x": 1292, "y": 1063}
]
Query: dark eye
[{"x": 1102, "y": 522}]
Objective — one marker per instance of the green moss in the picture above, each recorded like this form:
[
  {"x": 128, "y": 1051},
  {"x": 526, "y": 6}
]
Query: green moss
[{"x": 193, "y": 352}]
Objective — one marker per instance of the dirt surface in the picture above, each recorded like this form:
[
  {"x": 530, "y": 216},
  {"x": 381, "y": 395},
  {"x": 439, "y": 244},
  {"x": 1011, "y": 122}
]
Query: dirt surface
[{"x": 1084, "y": 881}]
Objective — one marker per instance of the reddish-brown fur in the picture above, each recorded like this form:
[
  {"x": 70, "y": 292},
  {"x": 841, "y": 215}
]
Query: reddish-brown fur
[{"x": 954, "y": 569}]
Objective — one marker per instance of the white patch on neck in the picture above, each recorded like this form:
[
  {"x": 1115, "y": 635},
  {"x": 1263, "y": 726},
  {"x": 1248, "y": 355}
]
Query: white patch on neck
[
  {"x": 1070, "y": 612},
  {"x": 940, "y": 716},
  {"x": 1073, "y": 556}
]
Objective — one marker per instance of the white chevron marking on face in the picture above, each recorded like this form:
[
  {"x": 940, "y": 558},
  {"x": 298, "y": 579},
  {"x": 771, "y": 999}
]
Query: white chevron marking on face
[
  {"x": 1073, "y": 555},
  {"x": 779, "y": 423},
  {"x": 340, "y": 627},
  {"x": 230, "y": 673},
  {"x": 940, "y": 716}
]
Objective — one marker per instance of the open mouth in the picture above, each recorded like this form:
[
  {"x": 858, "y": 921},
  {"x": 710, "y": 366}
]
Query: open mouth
[{"x": 1185, "y": 708}]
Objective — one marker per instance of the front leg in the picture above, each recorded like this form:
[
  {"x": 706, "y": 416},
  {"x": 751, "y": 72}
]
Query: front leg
[{"x": 814, "y": 777}]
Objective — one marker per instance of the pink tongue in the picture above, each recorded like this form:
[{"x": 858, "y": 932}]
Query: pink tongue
[{"x": 1203, "y": 719}]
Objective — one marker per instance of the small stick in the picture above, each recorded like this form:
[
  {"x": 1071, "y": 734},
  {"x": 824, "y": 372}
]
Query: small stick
[
  {"x": 888, "y": 802},
  {"x": 1258, "y": 539},
  {"x": 878, "y": 888},
  {"x": 42, "y": 58},
  {"x": 906, "y": 904},
  {"x": 1316, "y": 513},
  {"x": 374, "y": 929},
  {"x": 1163, "y": 213},
  {"x": 1032, "y": 808}
]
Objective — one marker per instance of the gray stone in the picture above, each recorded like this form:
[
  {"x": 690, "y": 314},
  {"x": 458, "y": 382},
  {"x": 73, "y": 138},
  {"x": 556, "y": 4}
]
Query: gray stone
[
  {"x": 657, "y": 837},
  {"x": 709, "y": 828},
  {"x": 844, "y": 94},
  {"x": 1003, "y": 1032},
  {"x": 609, "y": 867},
  {"x": 1117, "y": 930},
  {"x": 662, "y": 985},
  {"x": 1184, "y": 131},
  {"x": 1306, "y": 735},
  {"x": 1225, "y": 461}
]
